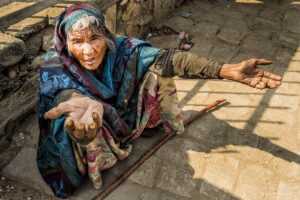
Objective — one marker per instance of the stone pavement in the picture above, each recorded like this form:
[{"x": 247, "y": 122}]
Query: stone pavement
[{"x": 248, "y": 148}]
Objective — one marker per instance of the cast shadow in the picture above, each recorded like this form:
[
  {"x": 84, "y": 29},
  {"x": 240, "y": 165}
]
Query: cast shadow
[{"x": 220, "y": 134}]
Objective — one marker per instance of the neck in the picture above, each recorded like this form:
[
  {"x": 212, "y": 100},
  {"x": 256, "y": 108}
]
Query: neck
[{"x": 98, "y": 71}]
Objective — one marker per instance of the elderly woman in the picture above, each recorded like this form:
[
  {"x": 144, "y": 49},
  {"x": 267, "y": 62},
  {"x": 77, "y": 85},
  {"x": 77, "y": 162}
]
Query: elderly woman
[{"x": 98, "y": 93}]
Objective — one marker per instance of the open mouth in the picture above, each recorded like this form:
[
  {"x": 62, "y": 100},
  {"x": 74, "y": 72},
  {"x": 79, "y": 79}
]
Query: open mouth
[{"x": 90, "y": 61}]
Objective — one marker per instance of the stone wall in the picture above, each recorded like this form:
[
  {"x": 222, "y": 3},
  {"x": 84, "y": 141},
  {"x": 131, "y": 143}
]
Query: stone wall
[{"x": 26, "y": 33}]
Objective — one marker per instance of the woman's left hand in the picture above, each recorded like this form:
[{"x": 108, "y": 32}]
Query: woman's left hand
[{"x": 248, "y": 73}]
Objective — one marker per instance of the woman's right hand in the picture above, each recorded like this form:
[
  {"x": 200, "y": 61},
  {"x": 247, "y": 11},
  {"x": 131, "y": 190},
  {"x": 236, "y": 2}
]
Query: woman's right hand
[{"x": 83, "y": 116}]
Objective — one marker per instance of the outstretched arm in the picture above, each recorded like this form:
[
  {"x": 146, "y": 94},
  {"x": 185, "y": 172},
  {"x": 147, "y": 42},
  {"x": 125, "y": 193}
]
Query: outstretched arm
[{"x": 248, "y": 73}]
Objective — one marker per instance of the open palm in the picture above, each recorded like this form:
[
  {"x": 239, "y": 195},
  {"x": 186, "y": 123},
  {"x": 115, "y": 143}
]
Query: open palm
[
  {"x": 83, "y": 116},
  {"x": 248, "y": 73}
]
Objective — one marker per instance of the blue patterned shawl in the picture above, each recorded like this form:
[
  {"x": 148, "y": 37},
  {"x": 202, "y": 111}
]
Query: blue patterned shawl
[{"x": 117, "y": 89}]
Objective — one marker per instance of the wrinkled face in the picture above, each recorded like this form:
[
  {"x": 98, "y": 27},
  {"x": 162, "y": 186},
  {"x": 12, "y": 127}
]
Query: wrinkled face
[{"x": 87, "y": 47}]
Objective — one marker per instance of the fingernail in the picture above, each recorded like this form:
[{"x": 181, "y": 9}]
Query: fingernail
[{"x": 93, "y": 126}]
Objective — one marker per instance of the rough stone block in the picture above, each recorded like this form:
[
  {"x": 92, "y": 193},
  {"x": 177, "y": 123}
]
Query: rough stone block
[
  {"x": 53, "y": 12},
  {"x": 162, "y": 8},
  {"x": 13, "y": 7},
  {"x": 111, "y": 18},
  {"x": 33, "y": 44},
  {"x": 18, "y": 104},
  {"x": 133, "y": 10},
  {"x": 47, "y": 38},
  {"x": 12, "y": 50},
  {"x": 23, "y": 168},
  {"x": 26, "y": 27}
]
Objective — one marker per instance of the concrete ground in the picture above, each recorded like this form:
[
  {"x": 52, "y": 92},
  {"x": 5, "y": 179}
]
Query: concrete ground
[{"x": 248, "y": 148}]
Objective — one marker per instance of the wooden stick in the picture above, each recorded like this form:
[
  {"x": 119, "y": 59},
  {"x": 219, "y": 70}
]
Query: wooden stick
[
  {"x": 198, "y": 114},
  {"x": 142, "y": 159}
]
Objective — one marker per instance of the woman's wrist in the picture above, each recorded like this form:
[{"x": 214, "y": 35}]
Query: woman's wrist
[{"x": 227, "y": 70}]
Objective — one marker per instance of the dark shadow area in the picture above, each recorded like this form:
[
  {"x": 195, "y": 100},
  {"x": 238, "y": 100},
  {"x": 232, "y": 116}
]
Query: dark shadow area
[{"x": 222, "y": 134}]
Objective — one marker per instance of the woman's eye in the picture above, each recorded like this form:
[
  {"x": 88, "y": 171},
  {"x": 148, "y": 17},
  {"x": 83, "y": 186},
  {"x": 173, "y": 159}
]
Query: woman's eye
[
  {"x": 76, "y": 41},
  {"x": 95, "y": 37}
]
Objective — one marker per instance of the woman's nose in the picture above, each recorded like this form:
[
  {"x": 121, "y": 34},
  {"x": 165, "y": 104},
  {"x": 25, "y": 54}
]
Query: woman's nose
[{"x": 87, "y": 48}]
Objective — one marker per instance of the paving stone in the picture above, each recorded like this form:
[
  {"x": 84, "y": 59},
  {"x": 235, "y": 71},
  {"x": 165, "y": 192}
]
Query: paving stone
[
  {"x": 289, "y": 39},
  {"x": 12, "y": 50},
  {"x": 25, "y": 161},
  {"x": 212, "y": 192},
  {"x": 249, "y": 9},
  {"x": 146, "y": 173},
  {"x": 272, "y": 12},
  {"x": 202, "y": 5},
  {"x": 223, "y": 52},
  {"x": 236, "y": 24},
  {"x": 179, "y": 23},
  {"x": 284, "y": 55},
  {"x": 256, "y": 42},
  {"x": 175, "y": 180},
  {"x": 290, "y": 20},
  {"x": 222, "y": 171},
  {"x": 189, "y": 148},
  {"x": 213, "y": 17},
  {"x": 256, "y": 182},
  {"x": 165, "y": 41},
  {"x": 230, "y": 35},
  {"x": 260, "y": 23},
  {"x": 288, "y": 190},
  {"x": 130, "y": 191},
  {"x": 204, "y": 31},
  {"x": 202, "y": 48}
]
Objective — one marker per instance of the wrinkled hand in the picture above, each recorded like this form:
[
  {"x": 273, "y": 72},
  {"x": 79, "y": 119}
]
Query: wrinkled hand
[
  {"x": 248, "y": 73},
  {"x": 83, "y": 116}
]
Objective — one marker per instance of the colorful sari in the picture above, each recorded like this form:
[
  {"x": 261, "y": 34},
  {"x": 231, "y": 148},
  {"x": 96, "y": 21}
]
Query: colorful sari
[{"x": 133, "y": 99}]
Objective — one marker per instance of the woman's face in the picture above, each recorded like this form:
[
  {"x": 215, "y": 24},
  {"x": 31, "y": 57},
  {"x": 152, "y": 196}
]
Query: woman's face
[{"x": 87, "y": 47}]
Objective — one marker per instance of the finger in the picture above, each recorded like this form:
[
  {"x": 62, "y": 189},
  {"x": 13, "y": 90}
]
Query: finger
[
  {"x": 262, "y": 62},
  {"x": 97, "y": 119},
  {"x": 92, "y": 130},
  {"x": 272, "y": 76},
  {"x": 69, "y": 126},
  {"x": 255, "y": 81},
  {"x": 79, "y": 130},
  {"x": 261, "y": 85},
  {"x": 57, "y": 111},
  {"x": 271, "y": 83}
]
